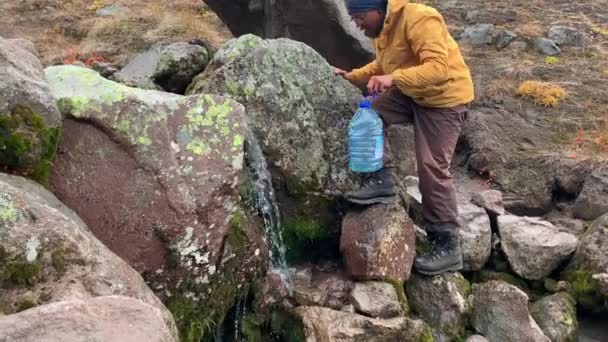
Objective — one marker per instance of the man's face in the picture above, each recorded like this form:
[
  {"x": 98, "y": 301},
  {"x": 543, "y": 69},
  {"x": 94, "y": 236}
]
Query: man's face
[{"x": 370, "y": 22}]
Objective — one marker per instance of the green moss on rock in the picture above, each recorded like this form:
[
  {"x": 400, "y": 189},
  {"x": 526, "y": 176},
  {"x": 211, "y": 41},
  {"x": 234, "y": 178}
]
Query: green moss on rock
[
  {"x": 400, "y": 290},
  {"x": 200, "y": 304},
  {"x": 25, "y": 304},
  {"x": 304, "y": 237},
  {"x": 251, "y": 328},
  {"x": 236, "y": 236},
  {"x": 193, "y": 322},
  {"x": 427, "y": 334},
  {"x": 585, "y": 290},
  {"x": 455, "y": 332},
  {"x": 464, "y": 287},
  {"x": 311, "y": 228},
  {"x": 200, "y": 309},
  {"x": 17, "y": 271},
  {"x": 27, "y": 146},
  {"x": 569, "y": 316},
  {"x": 58, "y": 261}
]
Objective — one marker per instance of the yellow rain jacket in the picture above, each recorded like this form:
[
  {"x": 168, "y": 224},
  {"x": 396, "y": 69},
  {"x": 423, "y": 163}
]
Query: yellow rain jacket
[{"x": 417, "y": 49}]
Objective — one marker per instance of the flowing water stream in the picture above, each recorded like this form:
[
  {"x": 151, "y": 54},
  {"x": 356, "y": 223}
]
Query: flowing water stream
[
  {"x": 266, "y": 204},
  {"x": 267, "y": 207}
]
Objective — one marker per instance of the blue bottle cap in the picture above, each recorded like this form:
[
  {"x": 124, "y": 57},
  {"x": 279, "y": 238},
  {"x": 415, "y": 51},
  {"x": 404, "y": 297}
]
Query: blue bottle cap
[{"x": 365, "y": 103}]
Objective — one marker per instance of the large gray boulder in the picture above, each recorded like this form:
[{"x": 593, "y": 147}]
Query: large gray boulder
[
  {"x": 556, "y": 316},
  {"x": 564, "y": 36},
  {"x": 378, "y": 243},
  {"x": 30, "y": 122},
  {"x": 588, "y": 269},
  {"x": 546, "y": 47},
  {"x": 504, "y": 38},
  {"x": 343, "y": 44},
  {"x": 499, "y": 140},
  {"x": 170, "y": 67},
  {"x": 47, "y": 254},
  {"x": 326, "y": 325},
  {"x": 108, "y": 318},
  {"x": 592, "y": 202},
  {"x": 500, "y": 313},
  {"x": 534, "y": 247},
  {"x": 442, "y": 302},
  {"x": 478, "y": 34},
  {"x": 295, "y": 105},
  {"x": 156, "y": 177}
]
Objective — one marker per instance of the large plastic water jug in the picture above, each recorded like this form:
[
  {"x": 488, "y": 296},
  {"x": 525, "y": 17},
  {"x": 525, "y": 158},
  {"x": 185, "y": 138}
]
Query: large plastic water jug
[{"x": 365, "y": 139}]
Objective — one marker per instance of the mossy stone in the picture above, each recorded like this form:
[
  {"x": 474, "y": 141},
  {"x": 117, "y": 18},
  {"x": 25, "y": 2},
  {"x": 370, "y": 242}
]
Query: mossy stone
[
  {"x": 25, "y": 304},
  {"x": 427, "y": 334},
  {"x": 585, "y": 290},
  {"x": 236, "y": 235},
  {"x": 58, "y": 261},
  {"x": 17, "y": 271},
  {"x": 27, "y": 146},
  {"x": 311, "y": 228},
  {"x": 400, "y": 290},
  {"x": 251, "y": 328},
  {"x": 200, "y": 307},
  {"x": 455, "y": 332}
]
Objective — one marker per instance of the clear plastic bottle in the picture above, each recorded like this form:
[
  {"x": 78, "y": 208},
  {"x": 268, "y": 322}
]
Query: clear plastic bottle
[{"x": 365, "y": 139}]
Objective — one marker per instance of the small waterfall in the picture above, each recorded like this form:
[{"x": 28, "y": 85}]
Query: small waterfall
[
  {"x": 241, "y": 310},
  {"x": 266, "y": 204}
]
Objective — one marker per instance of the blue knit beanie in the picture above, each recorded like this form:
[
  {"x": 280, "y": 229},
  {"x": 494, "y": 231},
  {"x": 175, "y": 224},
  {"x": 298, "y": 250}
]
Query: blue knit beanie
[{"x": 357, "y": 6}]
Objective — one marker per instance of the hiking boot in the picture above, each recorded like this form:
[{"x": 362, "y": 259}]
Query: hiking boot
[
  {"x": 445, "y": 255},
  {"x": 378, "y": 187}
]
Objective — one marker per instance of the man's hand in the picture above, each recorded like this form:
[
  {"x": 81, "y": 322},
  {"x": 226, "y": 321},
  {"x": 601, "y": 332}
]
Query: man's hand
[
  {"x": 340, "y": 72},
  {"x": 378, "y": 84}
]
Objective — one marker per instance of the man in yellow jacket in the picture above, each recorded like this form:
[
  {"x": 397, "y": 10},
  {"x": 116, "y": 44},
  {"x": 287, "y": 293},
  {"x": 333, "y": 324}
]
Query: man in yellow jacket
[{"x": 422, "y": 79}]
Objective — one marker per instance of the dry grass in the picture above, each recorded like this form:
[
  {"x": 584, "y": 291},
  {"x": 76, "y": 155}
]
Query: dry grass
[
  {"x": 499, "y": 89},
  {"x": 588, "y": 142},
  {"x": 146, "y": 22},
  {"x": 531, "y": 29},
  {"x": 52, "y": 42},
  {"x": 122, "y": 34},
  {"x": 595, "y": 136},
  {"x": 186, "y": 22},
  {"x": 519, "y": 70},
  {"x": 542, "y": 93}
]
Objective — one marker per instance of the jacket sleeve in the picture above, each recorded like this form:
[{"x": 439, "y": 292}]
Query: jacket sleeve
[
  {"x": 361, "y": 76},
  {"x": 429, "y": 41}
]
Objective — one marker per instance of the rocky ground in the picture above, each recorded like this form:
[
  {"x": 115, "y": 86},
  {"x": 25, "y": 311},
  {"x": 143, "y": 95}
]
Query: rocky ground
[
  {"x": 141, "y": 119},
  {"x": 113, "y": 30}
]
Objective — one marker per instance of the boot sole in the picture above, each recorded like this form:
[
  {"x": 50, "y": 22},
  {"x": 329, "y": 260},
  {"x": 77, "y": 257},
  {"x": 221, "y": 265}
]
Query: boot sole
[
  {"x": 375, "y": 200},
  {"x": 451, "y": 268}
]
